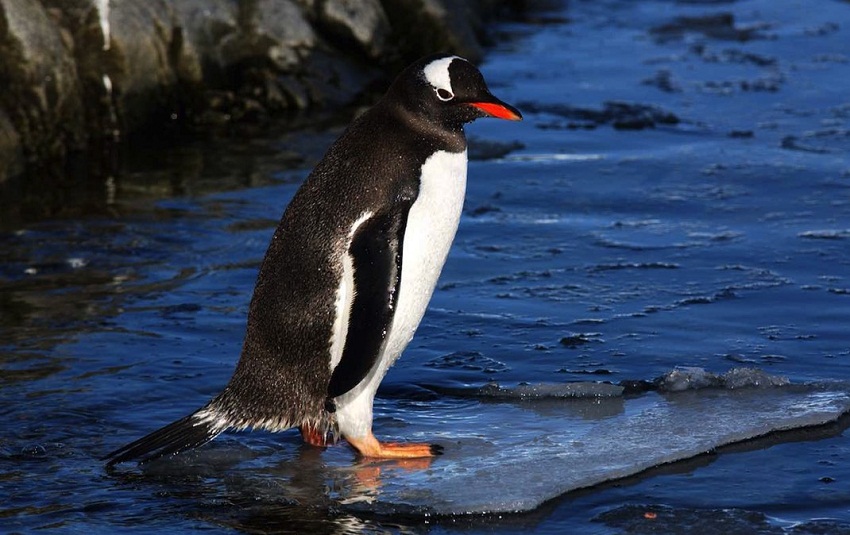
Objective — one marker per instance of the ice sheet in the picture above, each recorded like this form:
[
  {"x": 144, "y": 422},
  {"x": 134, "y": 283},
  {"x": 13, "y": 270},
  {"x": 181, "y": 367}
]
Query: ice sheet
[{"x": 545, "y": 447}]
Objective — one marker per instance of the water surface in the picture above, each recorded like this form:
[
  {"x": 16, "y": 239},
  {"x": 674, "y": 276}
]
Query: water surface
[{"x": 678, "y": 195}]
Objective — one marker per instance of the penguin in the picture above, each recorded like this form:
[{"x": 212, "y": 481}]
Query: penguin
[{"x": 349, "y": 271}]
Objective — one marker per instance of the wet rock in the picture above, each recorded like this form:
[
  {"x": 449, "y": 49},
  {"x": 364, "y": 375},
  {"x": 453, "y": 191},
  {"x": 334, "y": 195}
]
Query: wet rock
[
  {"x": 78, "y": 74},
  {"x": 10, "y": 147},
  {"x": 637, "y": 386},
  {"x": 429, "y": 25},
  {"x": 144, "y": 51},
  {"x": 362, "y": 23},
  {"x": 40, "y": 90},
  {"x": 576, "y": 340}
]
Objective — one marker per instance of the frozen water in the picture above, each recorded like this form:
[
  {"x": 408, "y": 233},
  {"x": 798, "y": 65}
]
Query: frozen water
[
  {"x": 553, "y": 446},
  {"x": 510, "y": 449},
  {"x": 692, "y": 378},
  {"x": 553, "y": 390}
]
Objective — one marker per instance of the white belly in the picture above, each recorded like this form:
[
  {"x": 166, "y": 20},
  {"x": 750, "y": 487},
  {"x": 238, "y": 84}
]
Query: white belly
[{"x": 431, "y": 227}]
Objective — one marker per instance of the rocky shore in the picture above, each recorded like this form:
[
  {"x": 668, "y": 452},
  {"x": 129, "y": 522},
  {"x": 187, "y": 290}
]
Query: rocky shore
[{"x": 79, "y": 74}]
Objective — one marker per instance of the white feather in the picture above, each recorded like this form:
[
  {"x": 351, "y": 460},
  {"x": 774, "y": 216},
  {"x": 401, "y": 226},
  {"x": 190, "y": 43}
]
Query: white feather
[
  {"x": 209, "y": 416},
  {"x": 437, "y": 73},
  {"x": 431, "y": 226},
  {"x": 344, "y": 297}
]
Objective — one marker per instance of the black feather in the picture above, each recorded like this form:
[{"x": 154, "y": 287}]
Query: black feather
[
  {"x": 184, "y": 434},
  {"x": 376, "y": 254}
]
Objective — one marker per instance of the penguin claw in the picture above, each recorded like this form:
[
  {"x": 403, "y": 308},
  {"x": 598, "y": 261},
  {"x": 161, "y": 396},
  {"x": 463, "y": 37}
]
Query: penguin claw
[{"x": 315, "y": 437}]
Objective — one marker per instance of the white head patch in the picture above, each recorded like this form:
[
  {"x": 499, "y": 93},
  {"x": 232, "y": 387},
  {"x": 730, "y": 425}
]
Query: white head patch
[{"x": 437, "y": 73}]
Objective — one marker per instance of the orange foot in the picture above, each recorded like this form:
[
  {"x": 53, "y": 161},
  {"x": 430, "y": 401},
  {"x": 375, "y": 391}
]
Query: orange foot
[{"x": 369, "y": 446}]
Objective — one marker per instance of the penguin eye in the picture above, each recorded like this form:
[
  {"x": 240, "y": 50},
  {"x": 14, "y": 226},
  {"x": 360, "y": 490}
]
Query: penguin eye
[{"x": 444, "y": 94}]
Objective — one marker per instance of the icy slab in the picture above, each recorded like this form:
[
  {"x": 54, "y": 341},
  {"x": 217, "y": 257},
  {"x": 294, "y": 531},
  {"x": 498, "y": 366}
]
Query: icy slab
[
  {"x": 690, "y": 378},
  {"x": 505, "y": 455},
  {"x": 543, "y": 391}
]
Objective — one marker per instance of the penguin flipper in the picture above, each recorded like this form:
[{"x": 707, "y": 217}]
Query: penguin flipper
[
  {"x": 375, "y": 252},
  {"x": 186, "y": 433}
]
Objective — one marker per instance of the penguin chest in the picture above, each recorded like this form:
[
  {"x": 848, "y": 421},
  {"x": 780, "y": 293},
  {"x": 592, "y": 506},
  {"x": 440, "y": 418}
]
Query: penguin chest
[
  {"x": 432, "y": 221},
  {"x": 431, "y": 225}
]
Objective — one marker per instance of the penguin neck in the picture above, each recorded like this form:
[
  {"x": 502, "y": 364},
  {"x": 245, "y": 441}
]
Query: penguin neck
[{"x": 448, "y": 136}]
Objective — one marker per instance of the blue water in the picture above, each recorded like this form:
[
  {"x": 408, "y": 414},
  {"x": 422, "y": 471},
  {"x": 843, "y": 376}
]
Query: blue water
[{"x": 719, "y": 240}]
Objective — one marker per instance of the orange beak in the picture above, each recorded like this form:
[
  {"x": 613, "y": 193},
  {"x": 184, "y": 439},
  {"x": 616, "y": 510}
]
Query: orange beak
[{"x": 499, "y": 109}]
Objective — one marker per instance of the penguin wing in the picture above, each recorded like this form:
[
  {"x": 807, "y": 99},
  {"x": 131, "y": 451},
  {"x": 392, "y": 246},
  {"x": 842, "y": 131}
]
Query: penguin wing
[{"x": 375, "y": 252}]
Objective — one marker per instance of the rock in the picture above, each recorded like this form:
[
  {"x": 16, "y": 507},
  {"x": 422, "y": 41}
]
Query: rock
[
  {"x": 142, "y": 54},
  {"x": 10, "y": 147},
  {"x": 424, "y": 26},
  {"x": 79, "y": 74},
  {"x": 360, "y": 22},
  {"x": 41, "y": 94}
]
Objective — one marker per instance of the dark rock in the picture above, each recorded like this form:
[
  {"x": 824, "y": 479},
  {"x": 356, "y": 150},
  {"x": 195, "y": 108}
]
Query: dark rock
[
  {"x": 78, "y": 75},
  {"x": 362, "y": 23},
  {"x": 425, "y": 26},
  {"x": 144, "y": 49},
  {"x": 575, "y": 340},
  {"x": 40, "y": 95},
  {"x": 637, "y": 386}
]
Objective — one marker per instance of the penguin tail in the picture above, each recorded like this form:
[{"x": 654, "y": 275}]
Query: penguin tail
[{"x": 186, "y": 433}]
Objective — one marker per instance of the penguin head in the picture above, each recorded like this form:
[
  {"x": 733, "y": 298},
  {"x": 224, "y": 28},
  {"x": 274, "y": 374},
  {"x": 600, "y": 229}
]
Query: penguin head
[{"x": 449, "y": 90}]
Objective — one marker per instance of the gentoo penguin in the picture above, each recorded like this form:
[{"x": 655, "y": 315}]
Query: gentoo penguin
[{"x": 349, "y": 271}]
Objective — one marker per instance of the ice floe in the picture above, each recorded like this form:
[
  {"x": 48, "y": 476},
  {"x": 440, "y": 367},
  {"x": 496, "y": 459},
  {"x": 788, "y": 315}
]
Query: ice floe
[{"x": 518, "y": 447}]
